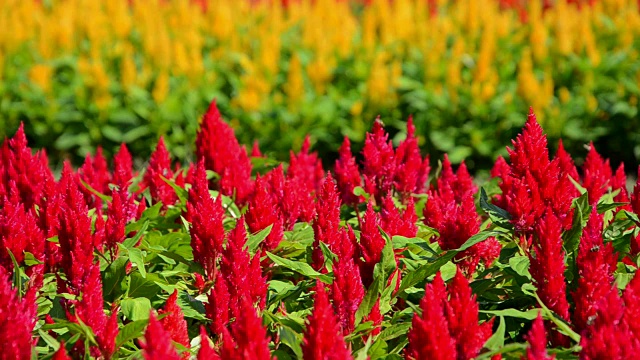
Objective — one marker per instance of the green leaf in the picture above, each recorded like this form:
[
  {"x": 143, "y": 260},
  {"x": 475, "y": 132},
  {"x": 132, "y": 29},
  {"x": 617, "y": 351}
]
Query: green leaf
[
  {"x": 254, "y": 240},
  {"x": 370, "y": 298},
  {"x": 497, "y": 215},
  {"x": 477, "y": 238},
  {"x": 191, "y": 307},
  {"x": 112, "y": 277},
  {"x": 496, "y": 341},
  {"x": 299, "y": 267},
  {"x": 425, "y": 271},
  {"x": 131, "y": 331},
  {"x": 136, "y": 308},
  {"x": 520, "y": 264},
  {"x": 136, "y": 256},
  {"x": 581, "y": 212},
  {"x": 103, "y": 197},
  {"x": 602, "y": 207},
  {"x": 31, "y": 260},
  {"x": 514, "y": 313},
  {"x": 183, "y": 194},
  {"x": 131, "y": 242},
  {"x": 291, "y": 339}
]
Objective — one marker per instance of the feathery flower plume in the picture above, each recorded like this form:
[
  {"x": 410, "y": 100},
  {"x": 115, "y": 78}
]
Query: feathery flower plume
[
  {"x": 323, "y": 337},
  {"x": 412, "y": 171},
  {"x": 619, "y": 182},
  {"x": 430, "y": 337},
  {"x": 217, "y": 307},
  {"x": 347, "y": 292},
  {"x": 326, "y": 226},
  {"x": 566, "y": 163},
  {"x": 157, "y": 344},
  {"x": 255, "y": 150},
  {"x": 61, "y": 354},
  {"x": 216, "y": 143},
  {"x": 379, "y": 166},
  {"x": 174, "y": 323},
  {"x": 17, "y": 319},
  {"x": 371, "y": 244},
  {"x": 160, "y": 166},
  {"x": 596, "y": 263},
  {"x": 635, "y": 195},
  {"x": 247, "y": 339},
  {"x": 597, "y": 174},
  {"x": 263, "y": 211},
  {"x": 347, "y": 174},
  {"x": 122, "y": 168},
  {"x": 547, "y": 266},
  {"x": 631, "y": 298},
  {"x": 94, "y": 172},
  {"x": 120, "y": 211},
  {"x": 537, "y": 339},
  {"x": 27, "y": 172},
  {"x": 397, "y": 222},
  {"x": 205, "y": 215},
  {"x": 19, "y": 233},
  {"x": 206, "y": 351},
  {"x": 306, "y": 168}
]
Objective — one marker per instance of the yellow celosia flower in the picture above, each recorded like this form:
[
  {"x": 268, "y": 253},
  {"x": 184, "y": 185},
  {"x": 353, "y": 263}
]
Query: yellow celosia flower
[{"x": 41, "y": 76}]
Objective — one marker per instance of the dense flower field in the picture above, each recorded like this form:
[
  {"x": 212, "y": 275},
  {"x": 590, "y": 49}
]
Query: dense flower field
[
  {"x": 465, "y": 68},
  {"x": 389, "y": 255}
]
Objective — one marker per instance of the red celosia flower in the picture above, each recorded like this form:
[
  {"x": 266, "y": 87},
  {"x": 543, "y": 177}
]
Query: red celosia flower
[
  {"x": 206, "y": 351},
  {"x": 412, "y": 171},
  {"x": 533, "y": 182},
  {"x": 596, "y": 263},
  {"x": 242, "y": 273},
  {"x": 547, "y": 265},
  {"x": 216, "y": 143},
  {"x": 255, "y": 150},
  {"x": 17, "y": 319},
  {"x": 322, "y": 337},
  {"x": 120, "y": 211},
  {"x": 619, "y": 182},
  {"x": 371, "y": 244},
  {"x": 61, "y": 354},
  {"x": 376, "y": 317},
  {"x": 298, "y": 203},
  {"x": 174, "y": 322},
  {"x": 635, "y": 195},
  {"x": 566, "y": 163},
  {"x": 394, "y": 222},
  {"x": 19, "y": 232},
  {"x": 247, "y": 339},
  {"x": 537, "y": 339},
  {"x": 326, "y": 226},
  {"x": 91, "y": 311},
  {"x": 379, "y": 166},
  {"x": 205, "y": 215},
  {"x": 95, "y": 173},
  {"x": 462, "y": 315},
  {"x": 217, "y": 307},
  {"x": 28, "y": 172},
  {"x": 451, "y": 210},
  {"x": 631, "y": 298},
  {"x": 347, "y": 292},
  {"x": 157, "y": 344},
  {"x": 597, "y": 174},
  {"x": 160, "y": 166},
  {"x": 306, "y": 168},
  {"x": 122, "y": 168},
  {"x": 263, "y": 211},
  {"x": 347, "y": 174},
  {"x": 430, "y": 337},
  {"x": 608, "y": 336}
]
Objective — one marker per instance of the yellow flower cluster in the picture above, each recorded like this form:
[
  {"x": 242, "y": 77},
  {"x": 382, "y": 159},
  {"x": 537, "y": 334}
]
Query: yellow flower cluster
[{"x": 465, "y": 48}]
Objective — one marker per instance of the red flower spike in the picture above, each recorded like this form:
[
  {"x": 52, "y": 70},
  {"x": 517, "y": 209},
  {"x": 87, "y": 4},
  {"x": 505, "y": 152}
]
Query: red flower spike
[
  {"x": 596, "y": 263},
  {"x": 17, "y": 319},
  {"x": 206, "y": 351},
  {"x": 19, "y": 232},
  {"x": 394, "y": 222},
  {"x": 90, "y": 309},
  {"x": 566, "y": 164},
  {"x": 242, "y": 273},
  {"x": 347, "y": 292},
  {"x": 462, "y": 315},
  {"x": 122, "y": 168},
  {"x": 412, "y": 171},
  {"x": 379, "y": 166},
  {"x": 530, "y": 152},
  {"x": 120, "y": 211},
  {"x": 160, "y": 166},
  {"x": 61, "y": 354},
  {"x": 326, "y": 226},
  {"x": 216, "y": 143},
  {"x": 631, "y": 298},
  {"x": 537, "y": 339},
  {"x": 263, "y": 211},
  {"x": 205, "y": 215},
  {"x": 298, "y": 203},
  {"x": 217, "y": 307},
  {"x": 247, "y": 339},
  {"x": 306, "y": 168},
  {"x": 597, "y": 174},
  {"x": 371, "y": 244},
  {"x": 255, "y": 150},
  {"x": 157, "y": 344},
  {"x": 608, "y": 336},
  {"x": 548, "y": 266},
  {"x": 619, "y": 182},
  {"x": 174, "y": 323},
  {"x": 375, "y": 316},
  {"x": 429, "y": 336},
  {"x": 347, "y": 174},
  {"x": 322, "y": 337},
  {"x": 26, "y": 171},
  {"x": 635, "y": 195},
  {"x": 94, "y": 172}
]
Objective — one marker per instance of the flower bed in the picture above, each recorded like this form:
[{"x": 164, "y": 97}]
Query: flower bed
[{"x": 240, "y": 257}]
